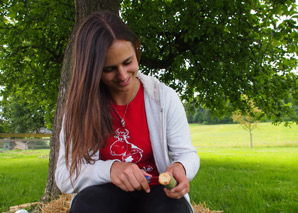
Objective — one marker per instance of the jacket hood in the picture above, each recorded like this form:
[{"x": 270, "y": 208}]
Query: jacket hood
[{"x": 151, "y": 86}]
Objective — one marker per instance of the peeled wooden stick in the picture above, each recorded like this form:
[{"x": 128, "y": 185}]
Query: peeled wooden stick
[{"x": 167, "y": 180}]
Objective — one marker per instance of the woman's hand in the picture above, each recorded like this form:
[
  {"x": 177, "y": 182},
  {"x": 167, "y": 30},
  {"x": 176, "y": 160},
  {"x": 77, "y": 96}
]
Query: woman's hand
[
  {"x": 178, "y": 172},
  {"x": 129, "y": 177}
]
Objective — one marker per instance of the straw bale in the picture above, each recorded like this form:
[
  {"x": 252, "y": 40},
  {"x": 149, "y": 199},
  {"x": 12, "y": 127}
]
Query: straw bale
[
  {"x": 62, "y": 205},
  {"x": 202, "y": 208}
]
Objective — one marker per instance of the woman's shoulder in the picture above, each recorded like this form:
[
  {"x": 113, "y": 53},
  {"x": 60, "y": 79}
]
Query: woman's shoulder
[
  {"x": 151, "y": 85},
  {"x": 148, "y": 80},
  {"x": 157, "y": 90},
  {"x": 151, "y": 82}
]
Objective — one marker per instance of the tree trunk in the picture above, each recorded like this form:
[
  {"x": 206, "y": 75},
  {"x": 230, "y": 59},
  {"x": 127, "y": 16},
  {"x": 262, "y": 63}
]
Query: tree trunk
[
  {"x": 250, "y": 136},
  {"x": 83, "y": 9}
]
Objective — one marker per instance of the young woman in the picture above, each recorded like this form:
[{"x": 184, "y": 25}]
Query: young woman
[{"x": 121, "y": 126}]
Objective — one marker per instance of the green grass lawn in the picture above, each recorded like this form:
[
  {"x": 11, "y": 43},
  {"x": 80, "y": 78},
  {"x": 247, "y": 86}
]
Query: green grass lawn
[
  {"x": 232, "y": 135},
  {"x": 247, "y": 180},
  {"x": 232, "y": 177},
  {"x": 23, "y": 176}
]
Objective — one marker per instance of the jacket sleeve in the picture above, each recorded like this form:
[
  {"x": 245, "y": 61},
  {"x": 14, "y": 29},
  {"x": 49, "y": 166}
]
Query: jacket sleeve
[
  {"x": 178, "y": 135},
  {"x": 90, "y": 174}
]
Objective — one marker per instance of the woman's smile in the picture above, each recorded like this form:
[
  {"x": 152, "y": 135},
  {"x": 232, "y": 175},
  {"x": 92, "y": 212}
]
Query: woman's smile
[
  {"x": 120, "y": 70},
  {"x": 124, "y": 83}
]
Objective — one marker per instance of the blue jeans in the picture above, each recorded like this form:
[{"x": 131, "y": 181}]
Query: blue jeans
[{"x": 108, "y": 198}]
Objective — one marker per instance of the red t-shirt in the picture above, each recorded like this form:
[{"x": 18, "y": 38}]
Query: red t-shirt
[{"x": 132, "y": 142}]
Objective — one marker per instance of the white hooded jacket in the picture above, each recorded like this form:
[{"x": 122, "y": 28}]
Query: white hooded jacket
[{"x": 169, "y": 135}]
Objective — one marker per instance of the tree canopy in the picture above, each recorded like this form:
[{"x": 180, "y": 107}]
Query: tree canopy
[
  {"x": 34, "y": 34},
  {"x": 215, "y": 51},
  {"x": 211, "y": 51}
]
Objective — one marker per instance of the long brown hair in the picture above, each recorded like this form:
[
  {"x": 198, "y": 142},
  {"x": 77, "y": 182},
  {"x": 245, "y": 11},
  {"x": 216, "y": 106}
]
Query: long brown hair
[{"x": 87, "y": 120}]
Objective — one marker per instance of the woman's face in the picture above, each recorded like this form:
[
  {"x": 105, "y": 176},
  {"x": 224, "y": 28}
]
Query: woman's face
[{"x": 120, "y": 69}]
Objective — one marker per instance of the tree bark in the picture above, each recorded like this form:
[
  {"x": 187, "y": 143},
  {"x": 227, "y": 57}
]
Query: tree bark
[{"x": 83, "y": 9}]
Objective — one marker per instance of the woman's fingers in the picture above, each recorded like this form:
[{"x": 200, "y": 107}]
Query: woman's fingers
[
  {"x": 181, "y": 189},
  {"x": 178, "y": 192},
  {"x": 178, "y": 171},
  {"x": 128, "y": 177}
]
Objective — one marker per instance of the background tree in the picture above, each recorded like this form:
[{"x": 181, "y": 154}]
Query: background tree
[
  {"x": 23, "y": 117},
  {"x": 204, "y": 116},
  {"x": 247, "y": 122},
  {"x": 3, "y": 126},
  {"x": 250, "y": 120}
]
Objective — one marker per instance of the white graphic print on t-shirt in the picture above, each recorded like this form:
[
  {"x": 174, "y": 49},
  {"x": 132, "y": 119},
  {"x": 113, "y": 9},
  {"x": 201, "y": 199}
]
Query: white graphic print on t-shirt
[{"x": 121, "y": 147}]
